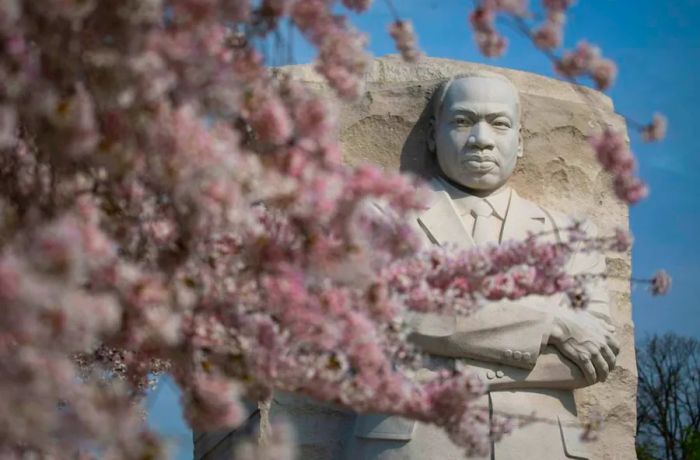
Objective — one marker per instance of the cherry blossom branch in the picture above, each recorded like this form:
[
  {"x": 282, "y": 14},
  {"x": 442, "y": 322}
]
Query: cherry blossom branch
[
  {"x": 549, "y": 37},
  {"x": 659, "y": 284}
]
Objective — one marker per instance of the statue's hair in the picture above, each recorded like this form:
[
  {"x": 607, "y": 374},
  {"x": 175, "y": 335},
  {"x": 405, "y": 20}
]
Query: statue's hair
[{"x": 441, "y": 92}]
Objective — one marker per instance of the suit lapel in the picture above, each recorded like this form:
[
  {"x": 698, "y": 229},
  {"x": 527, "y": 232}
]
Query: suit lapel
[
  {"x": 444, "y": 226},
  {"x": 522, "y": 217},
  {"x": 442, "y": 222}
]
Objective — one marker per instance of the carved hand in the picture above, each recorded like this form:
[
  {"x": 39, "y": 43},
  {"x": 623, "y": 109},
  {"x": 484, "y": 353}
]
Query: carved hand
[{"x": 588, "y": 341}]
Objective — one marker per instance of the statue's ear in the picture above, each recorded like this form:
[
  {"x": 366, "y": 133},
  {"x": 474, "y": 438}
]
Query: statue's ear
[
  {"x": 521, "y": 144},
  {"x": 431, "y": 135}
]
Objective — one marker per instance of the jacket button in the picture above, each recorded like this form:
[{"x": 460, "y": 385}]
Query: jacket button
[
  {"x": 499, "y": 374},
  {"x": 508, "y": 354},
  {"x": 527, "y": 356},
  {"x": 517, "y": 355},
  {"x": 490, "y": 375}
]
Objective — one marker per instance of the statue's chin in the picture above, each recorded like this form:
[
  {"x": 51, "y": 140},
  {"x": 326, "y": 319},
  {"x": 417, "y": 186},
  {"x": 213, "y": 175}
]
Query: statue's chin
[
  {"x": 478, "y": 167},
  {"x": 483, "y": 190},
  {"x": 481, "y": 181}
]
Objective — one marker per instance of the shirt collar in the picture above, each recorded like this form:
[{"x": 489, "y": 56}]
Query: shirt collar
[{"x": 498, "y": 201}]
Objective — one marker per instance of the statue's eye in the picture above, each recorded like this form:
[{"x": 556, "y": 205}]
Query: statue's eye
[
  {"x": 501, "y": 123},
  {"x": 461, "y": 121}
]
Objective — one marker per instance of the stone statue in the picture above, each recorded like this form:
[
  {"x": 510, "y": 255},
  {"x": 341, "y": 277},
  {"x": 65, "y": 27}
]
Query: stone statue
[{"x": 532, "y": 352}]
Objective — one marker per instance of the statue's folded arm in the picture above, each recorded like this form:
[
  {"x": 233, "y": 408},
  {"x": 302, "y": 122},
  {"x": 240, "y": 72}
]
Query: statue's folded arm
[
  {"x": 500, "y": 333},
  {"x": 506, "y": 342}
]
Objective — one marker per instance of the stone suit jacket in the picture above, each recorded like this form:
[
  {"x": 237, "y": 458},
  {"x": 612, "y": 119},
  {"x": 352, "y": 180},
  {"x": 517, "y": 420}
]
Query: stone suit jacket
[
  {"x": 504, "y": 344},
  {"x": 501, "y": 342}
]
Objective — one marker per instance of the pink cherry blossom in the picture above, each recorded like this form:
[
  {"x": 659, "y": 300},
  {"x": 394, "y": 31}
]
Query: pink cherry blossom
[
  {"x": 489, "y": 41},
  {"x": 491, "y": 44},
  {"x": 577, "y": 62},
  {"x": 660, "y": 283},
  {"x": 603, "y": 73},
  {"x": 612, "y": 152},
  {"x": 587, "y": 60},
  {"x": 630, "y": 189},
  {"x": 656, "y": 130},
  {"x": 517, "y": 7},
  {"x": 481, "y": 19},
  {"x": 237, "y": 11},
  {"x": 548, "y": 36},
  {"x": 341, "y": 58},
  {"x": 403, "y": 35},
  {"x": 623, "y": 240},
  {"x": 557, "y": 5},
  {"x": 269, "y": 119},
  {"x": 357, "y": 5}
]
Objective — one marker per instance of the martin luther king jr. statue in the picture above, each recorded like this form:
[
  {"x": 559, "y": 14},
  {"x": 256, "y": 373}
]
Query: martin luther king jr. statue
[{"x": 532, "y": 352}]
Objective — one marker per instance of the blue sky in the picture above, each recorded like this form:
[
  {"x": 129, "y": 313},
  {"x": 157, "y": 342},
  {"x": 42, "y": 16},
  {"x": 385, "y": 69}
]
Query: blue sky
[{"x": 656, "y": 45}]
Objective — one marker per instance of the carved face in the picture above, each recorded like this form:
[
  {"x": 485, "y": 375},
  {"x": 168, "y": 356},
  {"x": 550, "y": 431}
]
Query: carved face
[{"x": 477, "y": 133}]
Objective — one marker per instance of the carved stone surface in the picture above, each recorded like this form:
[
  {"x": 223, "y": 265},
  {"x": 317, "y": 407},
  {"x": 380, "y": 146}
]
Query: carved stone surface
[{"x": 388, "y": 126}]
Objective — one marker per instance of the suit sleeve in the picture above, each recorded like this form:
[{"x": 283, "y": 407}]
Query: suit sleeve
[{"x": 501, "y": 332}]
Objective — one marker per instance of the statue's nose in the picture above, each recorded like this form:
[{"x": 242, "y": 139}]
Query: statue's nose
[{"x": 480, "y": 136}]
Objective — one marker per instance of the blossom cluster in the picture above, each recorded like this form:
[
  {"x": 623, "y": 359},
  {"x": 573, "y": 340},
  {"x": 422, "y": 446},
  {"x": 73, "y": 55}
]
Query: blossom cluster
[
  {"x": 549, "y": 35},
  {"x": 166, "y": 199},
  {"x": 490, "y": 42},
  {"x": 660, "y": 283},
  {"x": 586, "y": 59},
  {"x": 403, "y": 35},
  {"x": 615, "y": 157},
  {"x": 656, "y": 129},
  {"x": 341, "y": 58},
  {"x": 447, "y": 281}
]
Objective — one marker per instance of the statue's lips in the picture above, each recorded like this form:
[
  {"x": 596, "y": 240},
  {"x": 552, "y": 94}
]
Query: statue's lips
[{"x": 478, "y": 163}]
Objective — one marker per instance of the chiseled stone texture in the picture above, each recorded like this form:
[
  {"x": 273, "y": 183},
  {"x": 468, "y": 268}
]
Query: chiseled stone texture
[{"x": 387, "y": 126}]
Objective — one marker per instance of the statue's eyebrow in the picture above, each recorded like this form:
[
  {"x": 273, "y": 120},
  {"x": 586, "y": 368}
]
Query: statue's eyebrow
[
  {"x": 464, "y": 111},
  {"x": 494, "y": 115},
  {"x": 470, "y": 113}
]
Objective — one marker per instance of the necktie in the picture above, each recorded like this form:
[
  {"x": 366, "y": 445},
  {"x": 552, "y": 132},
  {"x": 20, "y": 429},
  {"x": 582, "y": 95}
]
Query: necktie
[{"x": 485, "y": 230}]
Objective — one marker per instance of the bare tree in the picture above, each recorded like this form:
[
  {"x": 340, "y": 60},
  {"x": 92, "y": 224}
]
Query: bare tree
[{"x": 668, "y": 400}]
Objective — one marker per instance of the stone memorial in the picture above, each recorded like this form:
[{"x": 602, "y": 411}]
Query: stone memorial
[{"x": 505, "y": 154}]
